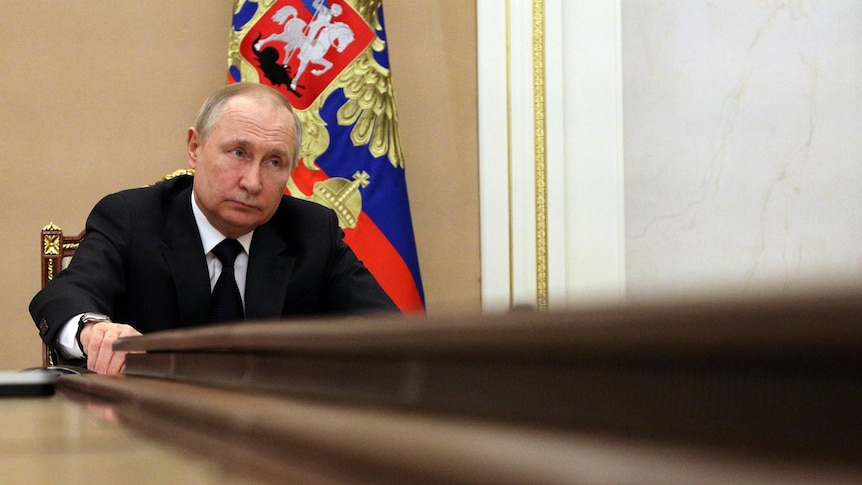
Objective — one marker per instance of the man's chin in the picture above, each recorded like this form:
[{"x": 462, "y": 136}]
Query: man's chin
[{"x": 239, "y": 224}]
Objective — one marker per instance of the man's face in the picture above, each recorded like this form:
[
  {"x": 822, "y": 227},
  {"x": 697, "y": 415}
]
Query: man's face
[{"x": 241, "y": 169}]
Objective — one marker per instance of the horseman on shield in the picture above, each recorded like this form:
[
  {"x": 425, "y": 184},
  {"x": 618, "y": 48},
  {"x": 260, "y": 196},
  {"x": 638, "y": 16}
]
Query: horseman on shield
[{"x": 309, "y": 41}]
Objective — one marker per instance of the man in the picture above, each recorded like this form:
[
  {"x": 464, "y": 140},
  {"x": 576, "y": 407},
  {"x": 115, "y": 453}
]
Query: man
[{"x": 147, "y": 261}]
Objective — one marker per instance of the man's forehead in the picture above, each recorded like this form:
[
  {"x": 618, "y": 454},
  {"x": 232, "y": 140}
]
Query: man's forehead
[
  {"x": 266, "y": 117},
  {"x": 254, "y": 101}
]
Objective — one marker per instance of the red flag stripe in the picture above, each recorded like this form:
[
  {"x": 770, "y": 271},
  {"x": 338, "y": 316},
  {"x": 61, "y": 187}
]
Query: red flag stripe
[{"x": 384, "y": 262}]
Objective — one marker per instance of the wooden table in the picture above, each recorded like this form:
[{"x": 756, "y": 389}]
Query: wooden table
[
  {"x": 45, "y": 439},
  {"x": 724, "y": 391},
  {"x": 55, "y": 440}
]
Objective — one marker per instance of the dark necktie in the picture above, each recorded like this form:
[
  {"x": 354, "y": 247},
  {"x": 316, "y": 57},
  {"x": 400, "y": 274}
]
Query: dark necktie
[{"x": 226, "y": 302}]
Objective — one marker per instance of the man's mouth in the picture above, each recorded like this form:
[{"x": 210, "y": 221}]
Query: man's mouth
[{"x": 245, "y": 206}]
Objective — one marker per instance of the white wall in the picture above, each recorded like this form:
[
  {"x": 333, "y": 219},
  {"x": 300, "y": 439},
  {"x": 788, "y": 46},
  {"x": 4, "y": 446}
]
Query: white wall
[
  {"x": 743, "y": 166},
  {"x": 690, "y": 146}
]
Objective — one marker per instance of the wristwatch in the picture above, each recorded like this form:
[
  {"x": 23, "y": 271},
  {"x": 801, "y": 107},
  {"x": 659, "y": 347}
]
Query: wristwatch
[{"x": 85, "y": 319}]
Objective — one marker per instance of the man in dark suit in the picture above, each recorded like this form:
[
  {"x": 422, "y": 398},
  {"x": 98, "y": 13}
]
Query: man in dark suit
[{"x": 147, "y": 262}]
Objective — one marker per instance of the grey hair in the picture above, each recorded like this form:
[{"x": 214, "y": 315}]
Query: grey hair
[{"x": 212, "y": 107}]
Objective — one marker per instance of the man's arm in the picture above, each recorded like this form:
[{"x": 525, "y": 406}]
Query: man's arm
[{"x": 94, "y": 279}]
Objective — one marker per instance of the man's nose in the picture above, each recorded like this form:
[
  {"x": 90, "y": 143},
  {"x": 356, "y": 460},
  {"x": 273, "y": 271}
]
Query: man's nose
[{"x": 250, "y": 180}]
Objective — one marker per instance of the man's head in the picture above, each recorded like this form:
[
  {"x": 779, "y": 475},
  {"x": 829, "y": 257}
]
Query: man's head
[{"x": 243, "y": 147}]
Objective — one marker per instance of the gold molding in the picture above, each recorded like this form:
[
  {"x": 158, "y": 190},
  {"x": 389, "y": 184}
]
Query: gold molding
[
  {"x": 51, "y": 244},
  {"x": 540, "y": 161},
  {"x": 178, "y": 173}
]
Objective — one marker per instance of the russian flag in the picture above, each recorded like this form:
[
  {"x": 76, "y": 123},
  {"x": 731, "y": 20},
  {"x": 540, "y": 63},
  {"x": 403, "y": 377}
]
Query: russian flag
[{"x": 330, "y": 60}]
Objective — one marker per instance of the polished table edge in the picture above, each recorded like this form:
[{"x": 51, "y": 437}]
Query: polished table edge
[
  {"x": 778, "y": 373},
  {"x": 825, "y": 322},
  {"x": 785, "y": 407},
  {"x": 278, "y": 438}
]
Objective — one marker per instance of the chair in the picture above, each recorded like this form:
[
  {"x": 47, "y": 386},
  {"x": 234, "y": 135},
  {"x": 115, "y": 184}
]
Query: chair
[{"x": 57, "y": 250}]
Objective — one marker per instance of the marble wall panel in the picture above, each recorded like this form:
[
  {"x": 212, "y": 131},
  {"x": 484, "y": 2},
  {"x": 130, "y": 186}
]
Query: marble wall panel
[{"x": 743, "y": 166}]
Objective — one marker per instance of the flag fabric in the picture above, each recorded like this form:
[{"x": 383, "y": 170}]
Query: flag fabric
[{"x": 330, "y": 60}]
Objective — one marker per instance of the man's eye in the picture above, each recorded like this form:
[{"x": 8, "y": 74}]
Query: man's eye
[
  {"x": 238, "y": 152},
  {"x": 275, "y": 163}
]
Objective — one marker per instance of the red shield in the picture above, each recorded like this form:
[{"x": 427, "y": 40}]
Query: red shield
[{"x": 299, "y": 49}]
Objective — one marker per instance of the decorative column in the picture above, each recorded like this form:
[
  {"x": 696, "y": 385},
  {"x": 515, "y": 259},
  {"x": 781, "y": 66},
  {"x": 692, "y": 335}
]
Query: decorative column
[{"x": 550, "y": 151}]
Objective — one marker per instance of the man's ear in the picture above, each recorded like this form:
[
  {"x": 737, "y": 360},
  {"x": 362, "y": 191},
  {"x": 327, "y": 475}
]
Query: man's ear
[{"x": 193, "y": 142}]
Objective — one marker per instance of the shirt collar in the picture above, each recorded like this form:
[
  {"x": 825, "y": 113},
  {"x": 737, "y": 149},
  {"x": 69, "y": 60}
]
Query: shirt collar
[{"x": 210, "y": 236}]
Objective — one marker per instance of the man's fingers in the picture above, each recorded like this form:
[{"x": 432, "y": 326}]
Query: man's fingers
[
  {"x": 115, "y": 365},
  {"x": 94, "y": 335},
  {"x": 101, "y": 336},
  {"x": 106, "y": 353}
]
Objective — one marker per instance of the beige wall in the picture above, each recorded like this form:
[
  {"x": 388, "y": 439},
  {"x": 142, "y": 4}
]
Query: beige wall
[{"x": 95, "y": 97}]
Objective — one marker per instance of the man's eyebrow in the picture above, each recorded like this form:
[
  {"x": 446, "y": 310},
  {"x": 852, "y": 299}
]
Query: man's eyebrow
[
  {"x": 233, "y": 142},
  {"x": 244, "y": 143},
  {"x": 279, "y": 153}
]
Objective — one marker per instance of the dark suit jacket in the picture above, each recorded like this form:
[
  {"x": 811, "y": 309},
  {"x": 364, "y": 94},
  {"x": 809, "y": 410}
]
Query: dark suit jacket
[{"x": 142, "y": 263}]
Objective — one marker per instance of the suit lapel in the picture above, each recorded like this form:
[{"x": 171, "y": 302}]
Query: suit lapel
[
  {"x": 187, "y": 261},
  {"x": 269, "y": 268}
]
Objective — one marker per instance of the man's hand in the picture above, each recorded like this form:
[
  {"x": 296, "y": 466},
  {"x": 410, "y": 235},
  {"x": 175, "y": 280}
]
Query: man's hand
[{"x": 98, "y": 340}]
